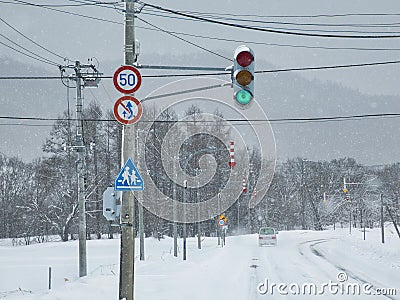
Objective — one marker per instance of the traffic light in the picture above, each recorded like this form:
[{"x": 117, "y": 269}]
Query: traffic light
[
  {"x": 345, "y": 190},
  {"x": 243, "y": 75}
]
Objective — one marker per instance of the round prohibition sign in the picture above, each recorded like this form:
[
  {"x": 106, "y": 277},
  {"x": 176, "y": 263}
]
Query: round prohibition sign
[
  {"x": 127, "y": 79},
  {"x": 127, "y": 110},
  {"x": 222, "y": 222}
]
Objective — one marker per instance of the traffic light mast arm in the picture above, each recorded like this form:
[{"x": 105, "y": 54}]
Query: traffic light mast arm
[
  {"x": 189, "y": 68},
  {"x": 242, "y": 74},
  {"x": 345, "y": 184},
  {"x": 186, "y": 91}
]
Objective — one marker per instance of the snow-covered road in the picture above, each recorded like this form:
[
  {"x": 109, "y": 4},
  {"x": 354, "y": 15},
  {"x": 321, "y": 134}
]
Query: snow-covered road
[
  {"x": 307, "y": 265},
  {"x": 333, "y": 263}
]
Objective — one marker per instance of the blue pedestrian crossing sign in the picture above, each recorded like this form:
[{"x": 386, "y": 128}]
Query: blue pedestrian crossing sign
[{"x": 129, "y": 178}]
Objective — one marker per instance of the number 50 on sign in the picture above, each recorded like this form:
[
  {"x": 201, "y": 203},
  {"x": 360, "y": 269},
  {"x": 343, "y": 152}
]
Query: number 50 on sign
[{"x": 127, "y": 79}]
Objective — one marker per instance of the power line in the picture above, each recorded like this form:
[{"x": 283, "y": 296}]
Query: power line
[
  {"x": 26, "y": 125},
  {"x": 160, "y": 29},
  {"x": 186, "y": 41},
  {"x": 331, "y": 67},
  {"x": 163, "y": 15},
  {"x": 296, "y": 16},
  {"x": 64, "y": 5},
  {"x": 239, "y": 121},
  {"x": 221, "y": 73},
  {"x": 29, "y": 39},
  {"x": 29, "y": 77},
  {"x": 37, "y": 55},
  {"x": 253, "y": 20},
  {"x": 272, "y": 30},
  {"x": 51, "y": 6},
  {"x": 81, "y": 3},
  {"x": 31, "y": 56},
  {"x": 272, "y": 44},
  {"x": 67, "y": 12},
  {"x": 110, "y": 5},
  {"x": 335, "y": 118},
  {"x": 95, "y": 3},
  {"x": 232, "y": 40}
]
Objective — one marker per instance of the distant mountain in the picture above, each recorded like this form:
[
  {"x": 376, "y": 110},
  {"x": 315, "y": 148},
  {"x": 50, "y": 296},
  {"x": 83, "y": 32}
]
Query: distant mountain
[
  {"x": 370, "y": 141},
  {"x": 282, "y": 95},
  {"x": 27, "y": 98}
]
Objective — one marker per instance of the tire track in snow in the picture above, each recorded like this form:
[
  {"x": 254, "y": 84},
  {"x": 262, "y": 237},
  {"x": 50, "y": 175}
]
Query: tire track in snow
[
  {"x": 304, "y": 253},
  {"x": 261, "y": 267},
  {"x": 349, "y": 273},
  {"x": 253, "y": 284}
]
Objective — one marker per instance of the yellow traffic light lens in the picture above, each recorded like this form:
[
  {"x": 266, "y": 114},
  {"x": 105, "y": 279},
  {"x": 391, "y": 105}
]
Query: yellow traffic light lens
[{"x": 244, "y": 77}]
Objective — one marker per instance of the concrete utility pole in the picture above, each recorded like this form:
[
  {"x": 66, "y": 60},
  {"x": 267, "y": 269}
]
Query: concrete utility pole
[
  {"x": 175, "y": 225},
  {"x": 140, "y": 209},
  {"x": 382, "y": 221},
  {"x": 184, "y": 233},
  {"x": 219, "y": 227},
  {"x": 127, "y": 257},
  {"x": 198, "y": 215},
  {"x": 303, "y": 205},
  {"x": 141, "y": 232},
  {"x": 82, "y": 80},
  {"x": 350, "y": 213},
  {"x": 80, "y": 148},
  {"x": 238, "y": 218}
]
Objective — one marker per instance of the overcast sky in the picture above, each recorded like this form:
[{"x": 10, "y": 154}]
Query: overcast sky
[
  {"x": 78, "y": 37},
  {"x": 83, "y": 31}
]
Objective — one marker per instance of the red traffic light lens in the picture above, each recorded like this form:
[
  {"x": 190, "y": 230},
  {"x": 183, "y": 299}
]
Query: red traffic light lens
[{"x": 244, "y": 58}]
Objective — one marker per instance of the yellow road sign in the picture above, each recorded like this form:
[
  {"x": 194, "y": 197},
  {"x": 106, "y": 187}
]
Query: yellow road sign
[{"x": 222, "y": 217}]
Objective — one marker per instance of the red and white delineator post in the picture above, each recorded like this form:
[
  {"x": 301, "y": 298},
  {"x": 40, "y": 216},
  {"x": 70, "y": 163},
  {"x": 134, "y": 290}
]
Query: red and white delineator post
[
  {"x": 232, "y": 162},
  {"x": 244, "y": 185}
]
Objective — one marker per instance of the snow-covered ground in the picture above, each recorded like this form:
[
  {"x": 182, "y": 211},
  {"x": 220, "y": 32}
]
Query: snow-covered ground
[{"x": 331, "y": 261}]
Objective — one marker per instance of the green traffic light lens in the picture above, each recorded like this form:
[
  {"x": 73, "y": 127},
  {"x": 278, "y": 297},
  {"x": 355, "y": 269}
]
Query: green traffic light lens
[{"x": 243, "y": 97}]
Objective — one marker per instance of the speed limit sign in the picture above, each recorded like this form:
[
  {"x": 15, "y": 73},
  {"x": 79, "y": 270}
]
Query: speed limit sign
[{"x": 127, "y": 79}]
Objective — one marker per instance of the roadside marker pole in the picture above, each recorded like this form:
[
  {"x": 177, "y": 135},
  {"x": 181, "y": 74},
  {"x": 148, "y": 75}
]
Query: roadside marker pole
[{"x": 49, "y": 278}]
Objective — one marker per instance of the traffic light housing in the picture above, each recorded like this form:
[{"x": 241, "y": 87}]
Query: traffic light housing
[
  {"x": 243, "y": 76},
  {"x": 345, "y": 190},
  {"x": 111, "y": 204}
]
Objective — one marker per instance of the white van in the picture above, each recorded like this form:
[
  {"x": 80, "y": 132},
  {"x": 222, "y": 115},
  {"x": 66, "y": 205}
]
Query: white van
[{"x": 267, "y": 236}]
